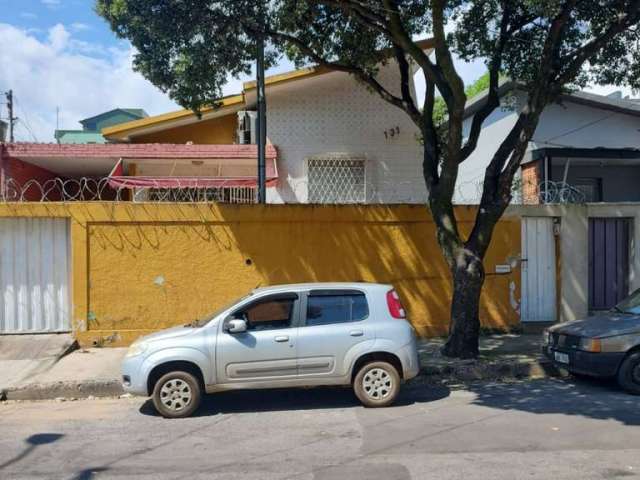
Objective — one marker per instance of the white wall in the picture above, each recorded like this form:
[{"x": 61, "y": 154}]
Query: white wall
[
  {"x": 561, "y": 125},
  {"x": 334, "y": 113}
]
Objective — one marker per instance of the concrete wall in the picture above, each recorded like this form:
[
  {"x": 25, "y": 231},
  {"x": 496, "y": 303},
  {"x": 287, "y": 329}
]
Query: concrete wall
[
  {"x": 561, "y": 125},
  {"x": 221, "y": 130},
  {"x": 573, "y": 244},
  {"x": 142, "y": 267},
  {"x": 334, "y": 113}
]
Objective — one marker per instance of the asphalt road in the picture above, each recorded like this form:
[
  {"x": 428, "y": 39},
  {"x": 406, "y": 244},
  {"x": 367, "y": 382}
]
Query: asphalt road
[{"x": 548, "y": 429}]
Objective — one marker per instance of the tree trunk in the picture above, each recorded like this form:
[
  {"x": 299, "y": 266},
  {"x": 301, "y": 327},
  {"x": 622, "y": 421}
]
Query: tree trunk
[{"x": 464, "y": 327}]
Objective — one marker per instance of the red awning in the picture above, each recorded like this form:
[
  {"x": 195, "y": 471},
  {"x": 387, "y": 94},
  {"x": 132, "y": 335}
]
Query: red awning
[{"x": 117, "y": 180}]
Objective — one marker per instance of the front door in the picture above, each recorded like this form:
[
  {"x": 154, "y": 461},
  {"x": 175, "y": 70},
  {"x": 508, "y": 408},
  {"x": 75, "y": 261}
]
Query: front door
[
  {"x": 268, "y": 348},
  {"x": 334, "y": 322},
  {"x": 538, "y": 270}
]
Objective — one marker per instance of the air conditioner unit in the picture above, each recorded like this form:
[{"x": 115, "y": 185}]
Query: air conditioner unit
[{"x": 247, "y": 126}]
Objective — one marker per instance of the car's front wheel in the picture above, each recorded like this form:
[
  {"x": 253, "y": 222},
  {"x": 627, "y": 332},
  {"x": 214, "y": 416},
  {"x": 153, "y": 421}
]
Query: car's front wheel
[
  {"x": 177, "y": 394},
  {"x": 629, "y": 373},
  {"x": 377, "y": 384}
]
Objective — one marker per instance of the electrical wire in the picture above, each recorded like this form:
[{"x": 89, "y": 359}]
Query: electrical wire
[{"x": 25, "y": 119}]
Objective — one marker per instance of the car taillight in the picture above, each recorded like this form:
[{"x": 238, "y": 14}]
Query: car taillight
[{"x": 396, "y": 310}]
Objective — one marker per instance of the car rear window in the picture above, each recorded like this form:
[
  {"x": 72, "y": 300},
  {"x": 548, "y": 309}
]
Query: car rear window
[{"x": 328, "y": 308}]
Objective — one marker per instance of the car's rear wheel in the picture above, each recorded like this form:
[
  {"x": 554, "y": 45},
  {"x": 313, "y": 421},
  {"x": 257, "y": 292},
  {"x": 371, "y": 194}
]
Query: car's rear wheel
[
  {"x": 377, "y": 384},
  {"x": 629, "y": 373},
  {"x": 177, "y": 394}
]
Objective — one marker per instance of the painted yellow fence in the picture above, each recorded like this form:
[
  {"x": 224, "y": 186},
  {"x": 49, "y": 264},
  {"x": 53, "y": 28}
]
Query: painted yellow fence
[{"x": 143, "y": 267}]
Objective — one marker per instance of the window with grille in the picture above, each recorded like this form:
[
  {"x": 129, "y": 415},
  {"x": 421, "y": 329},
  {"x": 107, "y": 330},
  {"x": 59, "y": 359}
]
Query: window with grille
[{"x": 339, "y": 179}]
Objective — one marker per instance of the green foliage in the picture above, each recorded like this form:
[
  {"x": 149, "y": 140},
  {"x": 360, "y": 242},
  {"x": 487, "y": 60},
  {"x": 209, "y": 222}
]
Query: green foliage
[
  {"x": 477, "y": 87},
  {"x": 190, "y": 48}
]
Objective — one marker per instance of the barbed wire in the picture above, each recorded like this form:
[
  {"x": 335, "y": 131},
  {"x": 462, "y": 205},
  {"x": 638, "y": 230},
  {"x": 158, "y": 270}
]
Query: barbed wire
[
  {"x": 87, "y": 189},
  {"x": 551, "y": 191},
  {"x": 190, "y": 190}
]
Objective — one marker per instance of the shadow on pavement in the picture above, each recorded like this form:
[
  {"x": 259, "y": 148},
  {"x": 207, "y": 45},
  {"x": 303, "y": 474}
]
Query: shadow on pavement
[
  {"x": 33, "y": 442},
  {"x": 241, "y": 401},
  {"x": 587, "y": 397}
]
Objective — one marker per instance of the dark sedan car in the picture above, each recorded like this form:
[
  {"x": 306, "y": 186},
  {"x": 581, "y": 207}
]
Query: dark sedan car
[{"x": 604, "y": 345}]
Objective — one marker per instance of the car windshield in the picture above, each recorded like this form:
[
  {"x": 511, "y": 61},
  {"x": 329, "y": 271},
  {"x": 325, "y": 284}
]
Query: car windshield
[
  {"x": 207, "y": 318},
  {"x": 630, "y": 305}
]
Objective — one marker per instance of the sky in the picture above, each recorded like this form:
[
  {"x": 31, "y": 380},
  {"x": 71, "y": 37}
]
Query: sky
[{"x": 59, "y": 54}]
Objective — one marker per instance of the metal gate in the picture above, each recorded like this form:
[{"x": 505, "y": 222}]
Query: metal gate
[
  {"x": 34, "y": 275},
  {"x": 608, "y": 262},
  {"x": 538, "y": 270}
]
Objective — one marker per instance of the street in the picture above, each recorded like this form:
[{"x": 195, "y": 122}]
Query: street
[{"x": 551, "y": 429}]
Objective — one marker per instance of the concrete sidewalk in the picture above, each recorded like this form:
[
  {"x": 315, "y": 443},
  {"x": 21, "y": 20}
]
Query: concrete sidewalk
[
  {"x": 24, "y": 356},
  {"x": 80, "y": 374},
  {"x": 96, "y": 371}
]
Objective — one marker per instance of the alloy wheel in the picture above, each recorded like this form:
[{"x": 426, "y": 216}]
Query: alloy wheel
[
  {"x": 175, "y": 394},
  {"x": 377, "y": 383}
]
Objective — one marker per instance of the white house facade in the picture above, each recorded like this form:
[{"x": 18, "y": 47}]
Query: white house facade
[{"x": 585, "y": 147}]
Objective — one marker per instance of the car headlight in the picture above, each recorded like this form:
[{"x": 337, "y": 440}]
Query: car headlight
[
  {"x": 590, "y": 345},
  {"x": 137, "y": 348},
  {"x": 546, "y": 337}
]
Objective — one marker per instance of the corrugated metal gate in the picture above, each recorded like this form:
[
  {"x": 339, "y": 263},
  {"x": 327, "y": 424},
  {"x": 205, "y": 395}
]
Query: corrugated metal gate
[
  {"x": 608, "y": 262},
  {"x": 34, "y": 275}
]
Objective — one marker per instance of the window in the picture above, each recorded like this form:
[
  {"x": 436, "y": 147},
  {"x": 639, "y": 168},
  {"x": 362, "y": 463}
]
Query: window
[
  {"x": 589, "y": 187},
  {"x": 336, "y": 179},
  {"x": 327, "y": 308},
  {"x": 269, "y": 314}
]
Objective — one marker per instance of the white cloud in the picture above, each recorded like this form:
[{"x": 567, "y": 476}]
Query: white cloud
[
  {"x": 28, "y": 15},
  {"x": 82, "y": 79},
  {"x": 50, "y": 3},
  {"x": 79, "y": 27}
]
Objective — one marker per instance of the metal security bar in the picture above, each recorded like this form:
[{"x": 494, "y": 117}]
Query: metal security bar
[{"x": 336, "y": 180}]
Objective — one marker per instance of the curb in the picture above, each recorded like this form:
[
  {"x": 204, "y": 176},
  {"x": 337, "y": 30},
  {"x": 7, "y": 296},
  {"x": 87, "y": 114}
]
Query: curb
[
  {"x": 490, "y": 370},
  {"x": 455, "y": 372},
  {"x": 64, "y": 390}
]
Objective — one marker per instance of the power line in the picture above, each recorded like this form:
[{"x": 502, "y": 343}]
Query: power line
[{"x": 25, "y": 120}]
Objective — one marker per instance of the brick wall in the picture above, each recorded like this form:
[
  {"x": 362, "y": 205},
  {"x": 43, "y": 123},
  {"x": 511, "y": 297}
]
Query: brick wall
[{"x": 531, "y": 183}]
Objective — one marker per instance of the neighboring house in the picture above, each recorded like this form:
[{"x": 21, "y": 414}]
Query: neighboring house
[
  {"x": 91, "y": 127},
  {"x": 585, "y": 149},
  {"x": 336, "y": 142}
]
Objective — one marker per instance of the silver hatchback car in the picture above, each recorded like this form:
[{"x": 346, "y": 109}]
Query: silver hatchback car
[{"x": 283, "y": 336}]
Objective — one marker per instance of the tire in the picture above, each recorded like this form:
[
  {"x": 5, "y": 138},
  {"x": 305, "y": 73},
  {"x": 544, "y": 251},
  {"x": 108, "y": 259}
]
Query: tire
[
  {"x": 377, "y": 384},
  {"x": 177, "y": 394},
  {"x": 629, "y": 373}
]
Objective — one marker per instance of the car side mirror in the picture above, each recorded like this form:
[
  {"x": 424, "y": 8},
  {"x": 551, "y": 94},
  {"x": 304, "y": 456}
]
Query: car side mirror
[{"x": 236, "y": 325}]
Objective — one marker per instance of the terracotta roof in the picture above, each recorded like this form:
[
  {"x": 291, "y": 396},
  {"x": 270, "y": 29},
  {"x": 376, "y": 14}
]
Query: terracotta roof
[{"x": 133, "y": 150}]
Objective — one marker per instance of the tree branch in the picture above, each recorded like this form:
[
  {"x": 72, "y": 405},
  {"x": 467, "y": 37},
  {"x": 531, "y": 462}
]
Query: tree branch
[
  {"x": 576, "y": 59},
  {"x": 405, "y": 81},
  {"x": 493, "y": 97},
  {"x": 359, "y": 73}
]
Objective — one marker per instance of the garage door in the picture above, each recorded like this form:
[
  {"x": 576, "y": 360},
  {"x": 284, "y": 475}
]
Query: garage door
[{"x": 34, "y": 275}]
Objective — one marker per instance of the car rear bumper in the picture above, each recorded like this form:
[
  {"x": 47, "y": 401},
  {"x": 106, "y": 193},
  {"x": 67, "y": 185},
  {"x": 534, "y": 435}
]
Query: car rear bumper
[
  {"x": 408, "y": 355},
  {"x": 586, "y": 363}
]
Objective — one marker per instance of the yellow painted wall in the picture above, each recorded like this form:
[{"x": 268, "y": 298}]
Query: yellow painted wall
[
  {"x": 142, "y": 267},
  {"x": 221, "y": 130}
]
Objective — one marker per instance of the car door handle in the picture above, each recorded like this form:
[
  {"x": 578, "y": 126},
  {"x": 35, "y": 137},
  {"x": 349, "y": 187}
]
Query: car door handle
[
  {"x": 356, "y": 333},
  {"x": 281, "y": 338}
]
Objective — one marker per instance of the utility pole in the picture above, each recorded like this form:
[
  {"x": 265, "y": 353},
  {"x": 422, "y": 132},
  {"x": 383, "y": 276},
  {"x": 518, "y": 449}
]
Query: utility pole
[
  {"x": 12, "y": 119},
  {"x": 262, "y": 112}
]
